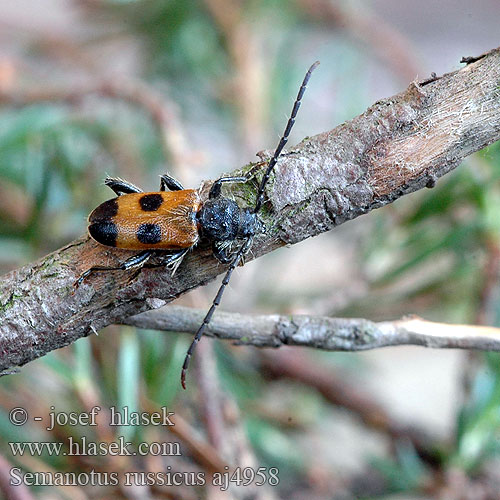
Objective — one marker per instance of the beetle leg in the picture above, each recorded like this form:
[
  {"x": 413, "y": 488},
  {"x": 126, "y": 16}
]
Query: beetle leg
[
  {"x": 219, "y": 251},
  {"x": 119, "y": 186},
  {"x": 173, "y": 262},
  {"x": 169, "y": 182},
  {"x": 137, "y": 261},
  {"x": 215, "y": 190}
]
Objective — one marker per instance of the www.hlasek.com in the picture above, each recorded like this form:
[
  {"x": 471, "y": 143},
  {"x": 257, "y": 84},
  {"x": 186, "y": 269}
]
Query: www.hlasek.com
[{"x": 85, "y": 447}]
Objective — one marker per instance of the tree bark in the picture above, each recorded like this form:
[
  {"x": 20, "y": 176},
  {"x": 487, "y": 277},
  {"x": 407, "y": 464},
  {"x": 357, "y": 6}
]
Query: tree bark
[{"x": 400, "y": 144}]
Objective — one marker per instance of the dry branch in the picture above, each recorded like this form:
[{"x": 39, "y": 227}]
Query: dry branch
[
  {"x": 397, "y": 146},
  {"x": 321, "y": 332}
]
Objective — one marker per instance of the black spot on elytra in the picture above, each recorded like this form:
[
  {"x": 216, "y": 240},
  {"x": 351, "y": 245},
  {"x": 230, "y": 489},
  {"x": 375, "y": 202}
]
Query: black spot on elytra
[
  {"x": 149, "y": 233},
  {"x": 104, "y": 211},
  {"x": 104, "y": 232},
  {"x": 151, "y": 202}
]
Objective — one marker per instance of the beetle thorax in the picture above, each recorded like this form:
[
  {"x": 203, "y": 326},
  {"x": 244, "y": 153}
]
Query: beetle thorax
[{"x": 223, "y": 220}]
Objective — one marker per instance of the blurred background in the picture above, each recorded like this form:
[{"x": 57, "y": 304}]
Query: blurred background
[{"x": 135, "y": 88}]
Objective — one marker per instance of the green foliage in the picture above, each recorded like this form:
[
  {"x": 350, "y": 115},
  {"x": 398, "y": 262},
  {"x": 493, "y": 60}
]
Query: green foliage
[
  {"x": 478, "y": 427},
  {"x": 406, "y": 472}
]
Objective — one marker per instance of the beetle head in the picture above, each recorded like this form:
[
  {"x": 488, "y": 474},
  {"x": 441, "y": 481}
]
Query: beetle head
[{"x": 222, "y": 219}]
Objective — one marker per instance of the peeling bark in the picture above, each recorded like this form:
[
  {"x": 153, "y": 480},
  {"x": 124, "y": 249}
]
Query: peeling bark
[{"x": 399, "y": 145}]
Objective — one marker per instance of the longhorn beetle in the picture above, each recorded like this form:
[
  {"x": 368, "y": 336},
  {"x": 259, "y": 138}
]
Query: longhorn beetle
[{"x": 176, "y": 219}]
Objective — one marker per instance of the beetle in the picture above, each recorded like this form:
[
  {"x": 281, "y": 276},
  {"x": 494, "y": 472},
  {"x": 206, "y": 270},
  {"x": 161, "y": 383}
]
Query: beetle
[{"x": 174, "y": 219}]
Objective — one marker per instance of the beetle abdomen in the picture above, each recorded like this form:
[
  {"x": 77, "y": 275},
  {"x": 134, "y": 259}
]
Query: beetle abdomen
[{"x": 139, "y": 221}]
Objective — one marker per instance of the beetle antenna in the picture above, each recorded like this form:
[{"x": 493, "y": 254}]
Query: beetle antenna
[
  {"x": 234, "y": 264},
  {"x": 248, "y": 243},
  {"x": 284, "y": 139}
]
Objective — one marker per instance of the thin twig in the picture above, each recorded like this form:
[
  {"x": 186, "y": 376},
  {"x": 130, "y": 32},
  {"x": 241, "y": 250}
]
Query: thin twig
[
  {"x": 489, "y": 290},
  {"x": 246, "y": 55},
  {"x": 210, "y": 397},
  {"x": 203, "y": 453},
  {"x": 374, "y": 32},
  {"x": 321, "y": 332}
]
